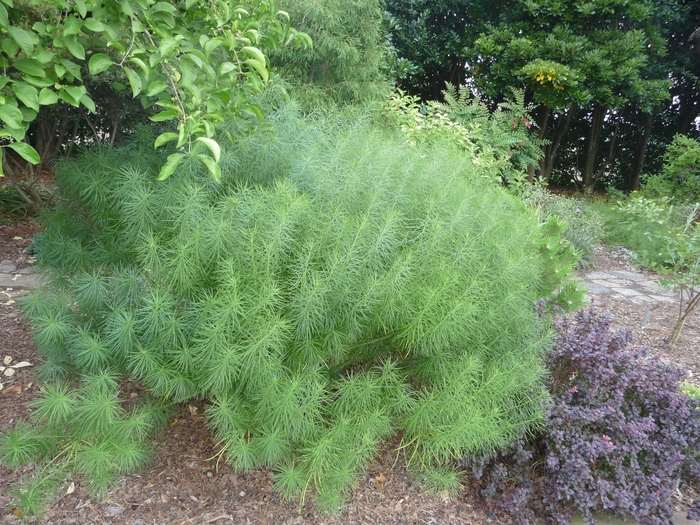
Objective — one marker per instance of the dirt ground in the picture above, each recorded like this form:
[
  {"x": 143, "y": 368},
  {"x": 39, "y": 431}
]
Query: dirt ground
[{"x": 184, "y": 485}]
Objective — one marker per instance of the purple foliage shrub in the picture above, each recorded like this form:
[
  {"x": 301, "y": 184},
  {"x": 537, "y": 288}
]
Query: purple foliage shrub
[{"x": 618, "y": 435}]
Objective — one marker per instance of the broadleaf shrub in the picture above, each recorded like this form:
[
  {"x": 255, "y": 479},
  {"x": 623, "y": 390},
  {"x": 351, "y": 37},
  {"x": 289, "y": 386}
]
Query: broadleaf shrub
[
  {"x": 338, "y": 286},
  {"x": 618, "y": 436}
]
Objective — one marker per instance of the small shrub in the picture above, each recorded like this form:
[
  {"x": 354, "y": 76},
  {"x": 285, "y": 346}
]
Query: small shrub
[
  {"x": 617, "y": 437},
  {"x": 680, "y": 174},
  {"x": 584, "y": 227}
]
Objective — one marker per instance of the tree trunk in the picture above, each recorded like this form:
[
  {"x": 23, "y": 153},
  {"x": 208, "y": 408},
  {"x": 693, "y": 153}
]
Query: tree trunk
[
  {"x": 639, "y": 153},
  {"x": 605, "y": 165},
  {"x": 592, "y": 147},
  {"x": 560, "y": 130}
]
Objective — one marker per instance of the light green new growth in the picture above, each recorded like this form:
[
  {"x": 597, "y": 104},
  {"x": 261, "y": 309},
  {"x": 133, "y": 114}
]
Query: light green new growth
[{"x": 338, "y": 286}]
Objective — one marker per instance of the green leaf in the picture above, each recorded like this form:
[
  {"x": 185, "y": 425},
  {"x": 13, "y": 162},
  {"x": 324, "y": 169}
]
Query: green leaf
[
  {"x": 47, "y": 97},
  {"x": 10, "y": 47},
  {"x": 116, "y": 45},
  {"x": 156, "y": 87},
  {"x": 212, "y": 166},
  {"x": 164, "y": 115},
  {"x": 88, "y": 103},
  {"x": 212, "y": 146},
  {"x": 3, "y": 81},
  {"x": 71, "y": 26},
  {"x": 28, "y": 114},
  {"x": 255, "y": 52},
  {"x": 134, "y": 81},
  {"x": 11, "y": 116},
  {"x": 118, "y": 86},
  {"x": 76, "y": 48},
  {"x": 182, "y": 135},
  {"x": 227, "y": 67},
  {"x": 99, "y": 63},
  {"x": 141, "y": 64},
  {"x": 259, "y": 67},
  {"x": 254, "y": 110},
  {"x": 72, "y": 67},
  {"x": 39, "y": 82},
  {"x": 28, "y": 66},
  {"x": 94, "y": 25},
  {"x": 82, "y": 9},
  {"x": 211, "y": 45},
  {"x": 170, "y": 165},
  {"x": 167, "y": 45},
  {"x": 25, "y": 39},
  {"x": 2, "y": 173},
  {"x": 25, "y": 151},
  {"x": 4, "y": 20},
  {"x": 68, "y": 97},
  {"x": 126, "y": 8},
  {"x": 27, "y": 94},
  {"x": 76, "y": 92},
  {"x": 163, "y": 138},
  {"x": 164, "y": 6}
]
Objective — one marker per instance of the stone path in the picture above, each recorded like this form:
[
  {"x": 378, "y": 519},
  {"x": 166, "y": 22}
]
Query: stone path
[
  {"x": 629, "y": 287},
  {"x": 13, "y": 281}
]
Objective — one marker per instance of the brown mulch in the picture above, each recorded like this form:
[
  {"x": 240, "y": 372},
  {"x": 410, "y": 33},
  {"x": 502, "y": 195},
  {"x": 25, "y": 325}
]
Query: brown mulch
[{"x": 185, "y": 485}]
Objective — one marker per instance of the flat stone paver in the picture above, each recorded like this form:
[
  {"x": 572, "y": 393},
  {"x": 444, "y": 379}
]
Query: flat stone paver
[
  {"x": 630, "y": 276},
  {"x": 629, "y": 287},
  {"x": 596, "y": 288}
]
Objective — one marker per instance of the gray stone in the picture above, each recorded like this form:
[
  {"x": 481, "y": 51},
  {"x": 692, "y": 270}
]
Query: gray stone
[
  {"x": 596, "y": 288},
  {"x": 630, "y": 276},
  {"x": 664, "y": 298},
  {"x": 596, "y": 275},
  {"x": 641, "y": 299},
  {"x": 609, "y": 284},
  {"x": 626, "y": 291},
  {"x": 654, "y": 287},
  {"x": 679, "y": 518},
  {"x": 18, "y": 281},
  {"x": 7, "y": 266}
]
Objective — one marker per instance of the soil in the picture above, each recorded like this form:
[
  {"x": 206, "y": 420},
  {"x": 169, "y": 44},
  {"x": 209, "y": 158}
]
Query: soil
[{"x": 184, "y": 484}]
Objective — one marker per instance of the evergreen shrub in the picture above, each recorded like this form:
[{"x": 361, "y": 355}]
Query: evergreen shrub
[
  {"x": 338, "y": 286},
  {"x": 619, "y": 435}
]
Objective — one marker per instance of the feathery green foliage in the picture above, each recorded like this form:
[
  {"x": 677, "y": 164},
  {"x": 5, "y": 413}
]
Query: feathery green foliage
[
  {"x": 346, "y": 64},
  {"x": 337, "y": 287}
]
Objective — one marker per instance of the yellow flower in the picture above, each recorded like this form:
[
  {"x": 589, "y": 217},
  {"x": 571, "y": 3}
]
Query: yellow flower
[{"x": 678, "y": 235}]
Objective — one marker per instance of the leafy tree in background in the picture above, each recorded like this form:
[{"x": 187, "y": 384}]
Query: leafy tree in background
[
  {"x": 587, "y": 59},
  {"x": 430, "y": 37},
  {"x": 193, "y": 60},
  {"x": 599, "y": 71}
]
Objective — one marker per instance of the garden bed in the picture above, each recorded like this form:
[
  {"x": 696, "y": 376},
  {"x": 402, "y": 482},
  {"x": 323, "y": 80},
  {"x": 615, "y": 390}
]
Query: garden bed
[{"x": 184, "y": 485}]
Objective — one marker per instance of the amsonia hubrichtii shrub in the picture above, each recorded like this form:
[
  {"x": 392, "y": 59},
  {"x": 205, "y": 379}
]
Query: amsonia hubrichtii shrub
[{"x": 338, "y": 286}]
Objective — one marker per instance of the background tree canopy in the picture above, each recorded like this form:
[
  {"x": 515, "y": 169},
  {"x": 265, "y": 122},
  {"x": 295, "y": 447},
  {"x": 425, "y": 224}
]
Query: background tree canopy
[{"x": 611, "y": 79}]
